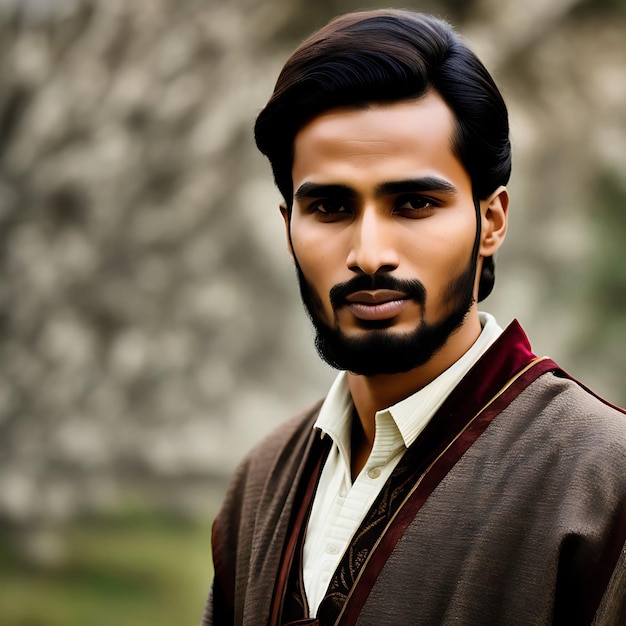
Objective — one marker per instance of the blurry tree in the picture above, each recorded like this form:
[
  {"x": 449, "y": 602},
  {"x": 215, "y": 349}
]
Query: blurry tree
[
  {"x": 150, "y": 328},
  {"x": 604, "y": 287}
]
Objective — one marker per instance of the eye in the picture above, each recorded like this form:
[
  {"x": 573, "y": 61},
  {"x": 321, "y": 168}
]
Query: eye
[
  {"x": 330, "y": 207},
  {"x": 415, "y": 206}
]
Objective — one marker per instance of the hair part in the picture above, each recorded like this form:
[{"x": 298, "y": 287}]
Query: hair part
[{"x": 382, "y": 56}]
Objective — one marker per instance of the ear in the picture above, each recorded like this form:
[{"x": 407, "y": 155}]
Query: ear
[
  {"x": 494, "y": 212},
  {"x": 284, "y": 211}
]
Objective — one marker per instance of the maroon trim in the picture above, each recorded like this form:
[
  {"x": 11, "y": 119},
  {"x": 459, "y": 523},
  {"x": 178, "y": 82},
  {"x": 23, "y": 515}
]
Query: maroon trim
[
  {"x": 509, "y": 355},
  {"x": 304, "y": 501}
]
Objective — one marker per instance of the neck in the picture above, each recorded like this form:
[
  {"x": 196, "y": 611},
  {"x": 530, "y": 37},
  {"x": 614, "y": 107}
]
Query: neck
[{"x": 374, "y": 393}]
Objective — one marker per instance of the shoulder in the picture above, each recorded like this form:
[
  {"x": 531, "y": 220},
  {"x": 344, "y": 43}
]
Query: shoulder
[
  {"x": 262, "y": 477},
  {"x": 575, "y": 428},
  {"x": 561, "y": 434},
  {"x": 271, "y": 460},
  {"x": 254, "y": 511},
  {"x": 291, "y": 434},
  {"x": 576, "y": 408}
]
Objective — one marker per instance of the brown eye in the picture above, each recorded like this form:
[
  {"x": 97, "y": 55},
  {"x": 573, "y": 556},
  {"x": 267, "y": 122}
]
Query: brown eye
[
  {"x": 330, "y": 207},
  {"x": 415, "y": 206}
]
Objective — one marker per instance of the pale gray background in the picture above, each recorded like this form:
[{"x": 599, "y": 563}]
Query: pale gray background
[{"x": 150, "y": 326}]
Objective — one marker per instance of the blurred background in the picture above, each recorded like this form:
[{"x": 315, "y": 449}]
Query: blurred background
[{"x": 150, "y": 326}]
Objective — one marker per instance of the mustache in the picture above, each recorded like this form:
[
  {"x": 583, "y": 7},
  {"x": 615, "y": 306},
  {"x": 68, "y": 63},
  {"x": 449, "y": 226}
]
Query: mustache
[{"x": 414, "y": 289}]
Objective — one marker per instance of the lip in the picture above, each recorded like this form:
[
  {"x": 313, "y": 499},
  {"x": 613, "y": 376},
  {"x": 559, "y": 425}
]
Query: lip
[
  {"x": 376, "y": 296},
  {"x": 381, "y": 304}
]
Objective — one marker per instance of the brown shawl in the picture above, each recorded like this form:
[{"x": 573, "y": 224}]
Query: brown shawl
[{"x": 516, "y": 513}]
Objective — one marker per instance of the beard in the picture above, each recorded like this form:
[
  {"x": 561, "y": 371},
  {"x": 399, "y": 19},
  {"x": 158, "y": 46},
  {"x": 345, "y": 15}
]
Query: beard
[{"x": 379, "y": 350}]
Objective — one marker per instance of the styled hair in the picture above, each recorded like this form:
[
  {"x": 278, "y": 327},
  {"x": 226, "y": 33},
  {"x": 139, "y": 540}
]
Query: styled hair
[{"x": 383, "y": 56}]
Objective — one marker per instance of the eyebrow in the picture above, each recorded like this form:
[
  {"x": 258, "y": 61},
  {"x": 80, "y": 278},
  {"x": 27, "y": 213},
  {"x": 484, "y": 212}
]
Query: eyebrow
[
  {"x": 427, "y": 183},
  {"x": 316, "y": 190},
  {"x": 412, "y": 185}
]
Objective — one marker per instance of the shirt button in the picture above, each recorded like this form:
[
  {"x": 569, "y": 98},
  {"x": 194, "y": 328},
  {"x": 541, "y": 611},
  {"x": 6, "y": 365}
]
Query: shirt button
[
  {"x": 332, "y": 549},
  {"x": 374, "y": 472}
]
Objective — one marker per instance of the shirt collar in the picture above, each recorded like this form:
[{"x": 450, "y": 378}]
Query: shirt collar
[{"x": 411, "y": 414}]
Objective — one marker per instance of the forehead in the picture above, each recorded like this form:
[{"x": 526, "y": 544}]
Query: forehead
[{"x": 381, "y": 140}]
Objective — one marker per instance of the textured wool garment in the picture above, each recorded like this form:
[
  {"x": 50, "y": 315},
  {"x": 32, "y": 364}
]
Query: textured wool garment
[{"x": 510, "y": 508}]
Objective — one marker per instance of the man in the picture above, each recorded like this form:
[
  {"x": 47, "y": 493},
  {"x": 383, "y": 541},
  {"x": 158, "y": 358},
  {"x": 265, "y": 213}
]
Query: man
[{"x": 450, "y": 476}]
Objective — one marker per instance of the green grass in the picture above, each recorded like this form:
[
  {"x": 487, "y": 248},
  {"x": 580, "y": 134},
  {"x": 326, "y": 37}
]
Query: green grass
[{"x": 131, "y": 569}]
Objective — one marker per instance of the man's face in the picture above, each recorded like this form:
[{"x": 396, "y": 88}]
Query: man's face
[{"x": 382, "y": 232}]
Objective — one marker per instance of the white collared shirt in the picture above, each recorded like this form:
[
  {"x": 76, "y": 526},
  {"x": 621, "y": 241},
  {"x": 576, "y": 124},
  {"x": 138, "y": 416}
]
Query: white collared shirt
[{"x": 340, "y": 505}]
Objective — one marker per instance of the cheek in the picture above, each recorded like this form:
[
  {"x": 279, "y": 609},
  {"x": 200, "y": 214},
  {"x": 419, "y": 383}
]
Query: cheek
[
  {"x": 307, "y": 254},
  {"x": 439, "y": 255},
  {"x": 317, "y": 266},
  {"x": 318, "y": 254},
  {"x": 436, "y": 250},
  {"x": 453, "y": 236}
]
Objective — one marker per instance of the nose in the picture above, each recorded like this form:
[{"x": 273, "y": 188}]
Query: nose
[{"x": 372, "y": 246}]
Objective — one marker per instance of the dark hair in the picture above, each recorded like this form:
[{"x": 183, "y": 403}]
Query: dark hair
[{"x": 386, "y": 56}]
